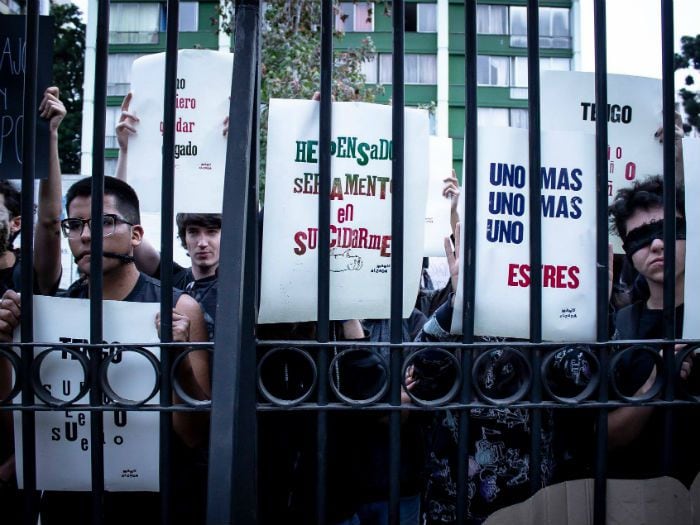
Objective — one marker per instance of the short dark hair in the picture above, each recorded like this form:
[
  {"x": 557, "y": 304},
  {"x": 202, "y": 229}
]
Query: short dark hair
[
  {"x": 645, "y": 194},
  {"x": 126, "y": 199},
  {"x": 203, "y": 220},
  {"x": 13, "y": 203},
  {"x": 13, "y": 198}
]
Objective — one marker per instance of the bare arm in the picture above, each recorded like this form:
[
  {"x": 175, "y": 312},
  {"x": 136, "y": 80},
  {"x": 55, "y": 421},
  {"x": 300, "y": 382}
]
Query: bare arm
[
  {"x": 193, "y": 374},
  {"x": 626, "y": 423},
  {"x": 125, "y": 127},
  {"x": 47, "y": 245},
  {"x": 9, "y": 319}
]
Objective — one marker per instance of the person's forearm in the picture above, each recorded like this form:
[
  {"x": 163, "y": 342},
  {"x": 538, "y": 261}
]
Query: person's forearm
[
  {"x": 47, "y": 253},
  {"x": 625, "y": 424},
  {"x": 121, "y": 165}
]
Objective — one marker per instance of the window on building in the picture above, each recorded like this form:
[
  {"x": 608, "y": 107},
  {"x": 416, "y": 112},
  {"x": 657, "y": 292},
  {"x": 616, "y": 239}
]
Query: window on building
[
  {"x": 369, "y": 70},
  {"x": 502, "y": 117},
  {"x": 491, "y": 19},
  {"x": 518, "y": 118},
  {"x": 492, "y": 71},
  {"x": 110, "y": 167},
  {"x": 420, "y": 18},
  {"x": 554, "y": 27},
  {"x": 119, "y": 73},
  {"x": 355, "y": 17},
  {"x": 494, "y": 117},
  {"x": 188, "y": 17},
  {"x": 134, "y": 23},
  {"x": 519, "y": 68},
  {"x": 418, "y": 69},
  {"x": 111, "y": 120},
  {"x": 519, "y": 73}
]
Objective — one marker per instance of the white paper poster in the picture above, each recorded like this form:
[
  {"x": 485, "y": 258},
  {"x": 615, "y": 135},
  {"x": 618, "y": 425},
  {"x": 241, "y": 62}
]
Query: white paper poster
[
  {"x": 691, "y": 310},
  {"x": 203, "y": 89},
  {"x": 361, "y": 192},
  {"x": 437, "y": 210},
  {"x": 131, "y": 439},
  {"x": 502, "y": 305},
  {"x": 634, "y": 114}
]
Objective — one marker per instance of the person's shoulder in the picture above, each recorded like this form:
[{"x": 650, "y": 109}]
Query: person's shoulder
[
  {"x": 77, "y": 290},
  {"x": 627, "y": 320}
]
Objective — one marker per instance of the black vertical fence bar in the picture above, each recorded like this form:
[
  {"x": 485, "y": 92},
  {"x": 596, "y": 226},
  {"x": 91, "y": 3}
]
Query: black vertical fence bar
[
  {"x": 247, "y": 451},
  {"x": 324, "y": 217},
  {"x": 96, "y": 248},
  {"x": 533, "y": 95},
  {"x": 602, "y": 284},
  {"x": 166, "y": 253},
  {"x": 397, "y": 231},
  {"x": 669, "y": 312},
  {"x": 601, "y": 101},
  {"x": 27, "y": 252},
  {"x": 232, "y": 488},
  {"x": 468, "y": 247}
]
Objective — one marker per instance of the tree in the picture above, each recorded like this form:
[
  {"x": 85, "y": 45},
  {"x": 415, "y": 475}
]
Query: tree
[
  {"x": 689, "y": 57},
  {"x": 291, "y": 59},
  {"x": 68, "y": 68}
]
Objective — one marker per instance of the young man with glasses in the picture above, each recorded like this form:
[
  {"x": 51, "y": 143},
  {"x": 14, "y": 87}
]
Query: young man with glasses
[
  {"x": 122, "y": 282},
  {"x": 635, "y": 434}
]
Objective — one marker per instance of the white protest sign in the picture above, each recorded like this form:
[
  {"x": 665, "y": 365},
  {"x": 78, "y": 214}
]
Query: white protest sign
[
  {"x": 131, "y": 439},
  {"x": 203, "y": 88},
  {"x": 437, "y": 210},
  {"x": 691, "y": 309},
  {"x": 502, "y": 306},
  {"x": 634, "y": 115},
  {"x": 361, "y": 193}
]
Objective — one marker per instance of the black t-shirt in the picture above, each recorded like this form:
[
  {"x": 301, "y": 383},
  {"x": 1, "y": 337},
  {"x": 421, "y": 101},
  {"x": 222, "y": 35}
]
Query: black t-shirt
[
  {"x": 642, "y": 457},
  {"x": 205, "y": 291},
  {"x": 11, "y": 278},
  {"x": 146, "y": 290}
]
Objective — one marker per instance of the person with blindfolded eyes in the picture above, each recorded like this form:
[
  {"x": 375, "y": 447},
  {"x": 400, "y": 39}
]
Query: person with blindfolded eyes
[{"x": 635, "y": 435}]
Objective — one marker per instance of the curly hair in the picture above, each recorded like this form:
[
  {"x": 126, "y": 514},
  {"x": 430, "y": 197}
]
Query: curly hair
[{"x": 645, "y": 194}]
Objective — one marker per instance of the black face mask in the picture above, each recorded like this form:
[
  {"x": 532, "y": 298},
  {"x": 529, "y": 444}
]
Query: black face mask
[{"x": 644, "y": 235}]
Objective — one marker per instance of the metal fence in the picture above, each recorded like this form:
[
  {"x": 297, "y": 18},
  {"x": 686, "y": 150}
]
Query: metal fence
[{"x": 239, "y": 396}]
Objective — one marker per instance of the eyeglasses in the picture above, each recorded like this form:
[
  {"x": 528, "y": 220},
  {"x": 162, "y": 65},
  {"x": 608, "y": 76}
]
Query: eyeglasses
[{"x": 72, "y": 228}]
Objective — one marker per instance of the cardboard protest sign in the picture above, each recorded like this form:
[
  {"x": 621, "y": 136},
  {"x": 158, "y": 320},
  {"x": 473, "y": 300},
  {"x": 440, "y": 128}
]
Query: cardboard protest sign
[
  {"x": 691, "y": 310},
  {"x": 502, "y": 306},
  {"x": 437, "y": 210},
  {"x": 629, "y": 502},
  {"x": 13, "y": 62},
  {"x": 361, "y": 193},
  {"x": 634, "y": 114},
  {"x": 131, "y": 439},
  {"x": 203, "y": 89}
]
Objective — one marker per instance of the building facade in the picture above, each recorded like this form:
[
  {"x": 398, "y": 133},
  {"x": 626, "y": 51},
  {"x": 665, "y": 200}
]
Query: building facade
[{"x": 434, "y": 61}]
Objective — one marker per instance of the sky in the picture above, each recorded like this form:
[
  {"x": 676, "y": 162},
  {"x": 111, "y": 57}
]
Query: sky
[{"x": 634, "y": 33}]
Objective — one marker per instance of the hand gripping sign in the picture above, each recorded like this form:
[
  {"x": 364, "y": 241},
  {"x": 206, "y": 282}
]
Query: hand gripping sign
[{"x": 131, "y": 439}]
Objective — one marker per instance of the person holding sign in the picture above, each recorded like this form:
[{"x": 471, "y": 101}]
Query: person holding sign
[
  {"x": 121, "y": 282},
  {"x": 499, "y": 437},
  {"x": 47, "y": 266},
  {"x": 47, "y": 244},
  {"x": 635, "y": 434},
  {"x": 200, "y": 235}
]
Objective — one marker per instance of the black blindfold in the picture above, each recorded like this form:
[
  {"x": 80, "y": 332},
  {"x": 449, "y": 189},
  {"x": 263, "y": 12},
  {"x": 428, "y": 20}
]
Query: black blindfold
[{"x": 644, "y": 235}]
